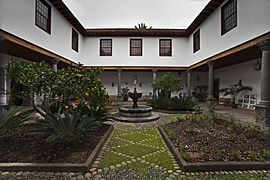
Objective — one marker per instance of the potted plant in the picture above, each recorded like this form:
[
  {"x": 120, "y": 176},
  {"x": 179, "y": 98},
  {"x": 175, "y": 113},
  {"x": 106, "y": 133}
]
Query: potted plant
[
  {"x": 234, "y": 91},
  {"x": 125, "y": 92}
]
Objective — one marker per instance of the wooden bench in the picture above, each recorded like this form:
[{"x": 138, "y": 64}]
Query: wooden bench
[{"x": 224, "y": 101}]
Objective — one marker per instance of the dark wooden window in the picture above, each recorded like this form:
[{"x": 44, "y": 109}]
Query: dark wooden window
[
  {"x": 165, "y": 47},
  {"x": 196, "y": 41},
  {"x": 135, "y": 47},
  {"x": 228, "y": 16},
  {"x": 43, "y": 15},
  {"x": 105, "y": 47},
  {"x": 75, "y": 40}
]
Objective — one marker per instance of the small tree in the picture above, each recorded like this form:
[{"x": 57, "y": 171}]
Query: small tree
[
  {"x": 59, "y": 89},
  {"x": 167, "y": 84}
]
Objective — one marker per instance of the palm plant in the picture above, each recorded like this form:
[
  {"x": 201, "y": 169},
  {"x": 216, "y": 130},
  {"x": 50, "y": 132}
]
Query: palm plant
[
  {"x": 234, "y": 91},
  {"x": 142, "y": 26}
]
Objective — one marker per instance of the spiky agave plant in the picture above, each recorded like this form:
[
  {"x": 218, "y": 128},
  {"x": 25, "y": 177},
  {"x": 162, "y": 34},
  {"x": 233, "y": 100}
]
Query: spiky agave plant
[
  {"x": 14, "y": 117},
  {"x": 234, "y": 91}
]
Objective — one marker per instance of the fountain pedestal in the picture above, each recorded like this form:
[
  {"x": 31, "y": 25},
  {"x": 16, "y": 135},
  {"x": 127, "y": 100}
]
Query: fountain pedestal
[
  {"x": 135, "y": 113},
  {"x": 135, "y": 97}
]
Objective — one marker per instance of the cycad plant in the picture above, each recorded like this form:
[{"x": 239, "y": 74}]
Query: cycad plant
[
  {"x": 234, "y": 91},
  {"x": 13, "y": 118},
  {"x": 71, "y": 123}
]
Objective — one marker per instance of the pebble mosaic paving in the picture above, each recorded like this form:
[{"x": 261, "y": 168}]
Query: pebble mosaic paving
[{"x": 135, "y": 152}]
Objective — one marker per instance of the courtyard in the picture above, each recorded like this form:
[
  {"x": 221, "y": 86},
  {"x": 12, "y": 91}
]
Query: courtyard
[
  {"x": 169, "y": 90},
  {"x": 138, "y": 151}
]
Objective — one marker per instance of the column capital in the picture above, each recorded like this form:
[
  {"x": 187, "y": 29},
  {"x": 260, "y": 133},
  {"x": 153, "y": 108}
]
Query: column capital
[
  {"x": 211, "y": 64},
  {"x": 264, "y": 45},
  {"x": 55, "y": 61},
  {"x": 188, "y": 71},
  {"x": 119, "y": 70},
  {"x": 154, "y": 70}
]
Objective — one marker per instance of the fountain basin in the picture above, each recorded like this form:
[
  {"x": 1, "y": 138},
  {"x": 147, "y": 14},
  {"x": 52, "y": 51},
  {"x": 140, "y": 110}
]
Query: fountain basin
[
  {"x": 140, "y": 111},
  {"x": 141, "y": 114}
]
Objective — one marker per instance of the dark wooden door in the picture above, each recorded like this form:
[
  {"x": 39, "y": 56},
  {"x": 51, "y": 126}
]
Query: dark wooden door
[{"x": 216, "y": 88}]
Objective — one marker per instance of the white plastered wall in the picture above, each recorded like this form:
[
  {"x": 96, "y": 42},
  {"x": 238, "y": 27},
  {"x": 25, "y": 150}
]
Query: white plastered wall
[
  {"x": 244, "y": 71},
  {"x": 252, "y": 21},
  {"x": 121, "y": 52},
  {"x": 145, "y": 79},
  {"x": 18, "y": 18}
]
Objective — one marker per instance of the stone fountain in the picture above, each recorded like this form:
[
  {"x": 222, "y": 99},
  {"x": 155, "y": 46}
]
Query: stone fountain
[{"x": 135, "y": 113}]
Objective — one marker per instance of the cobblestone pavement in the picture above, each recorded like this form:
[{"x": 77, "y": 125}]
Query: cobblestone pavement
[{"x": 135, "y": 152}]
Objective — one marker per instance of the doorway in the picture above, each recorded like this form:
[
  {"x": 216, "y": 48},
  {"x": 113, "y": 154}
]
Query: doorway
[{"x": 216, "y": 88}]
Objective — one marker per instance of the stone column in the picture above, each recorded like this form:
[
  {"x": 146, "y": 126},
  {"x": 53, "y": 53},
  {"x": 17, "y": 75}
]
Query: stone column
[
  {"x": 154, "y": 71},
  {"x": 188, "y": 83},
  {"x": 3, "y": 85},
  {"x": 119, "y": 94},
  {"x": 210, "y": 98},
  {"x": 263, "y": 108},
  {"x": 55, "y": 64}
]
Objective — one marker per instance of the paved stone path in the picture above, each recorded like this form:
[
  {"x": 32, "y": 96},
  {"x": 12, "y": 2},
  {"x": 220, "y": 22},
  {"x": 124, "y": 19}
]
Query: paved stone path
[{"x": 135, "y": 152}]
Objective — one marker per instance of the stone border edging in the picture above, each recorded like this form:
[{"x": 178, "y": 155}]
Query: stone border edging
[
  {"x": 211, "y": 166},
  {"x": 172, "y": 112},
  {"x": 59, "y": 167},
  {"x": 153, "y": 117}
]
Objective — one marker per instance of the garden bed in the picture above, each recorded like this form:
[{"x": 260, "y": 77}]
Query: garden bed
[
  {"x": 25, "y": 151},
  {"x": 201, "y": 144}
]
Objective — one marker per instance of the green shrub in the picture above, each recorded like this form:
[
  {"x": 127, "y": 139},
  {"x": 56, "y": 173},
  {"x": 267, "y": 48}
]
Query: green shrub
[
  {"x": 174, "y": 104},
  {"x": 200, "y": 93},
  {"x": 266, "y": 154},
  {"x": 184, "y": 154},
  {"x": 237, "y": 155},
  {"x": 253, "y": 156},
  {"x": 171, "y": 134}
]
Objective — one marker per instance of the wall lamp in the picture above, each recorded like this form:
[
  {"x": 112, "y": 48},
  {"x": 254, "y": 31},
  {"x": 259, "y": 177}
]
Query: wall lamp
[{"x": 257, "y": 66}]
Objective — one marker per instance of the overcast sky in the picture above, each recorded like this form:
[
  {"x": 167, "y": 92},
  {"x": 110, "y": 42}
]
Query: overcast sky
[{"x": 127, "y": 13}]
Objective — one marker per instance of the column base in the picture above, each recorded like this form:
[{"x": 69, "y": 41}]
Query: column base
[{"x": 263, "y": 115}]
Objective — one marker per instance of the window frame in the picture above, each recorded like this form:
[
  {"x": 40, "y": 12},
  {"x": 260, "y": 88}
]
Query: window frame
[
  {"x": 223, "y": 8},
  {"x": 100, "y": 47},
  {"x": 75, "y": 41},
  {"x": 160, "y": 40},
  {"x": 48, "y": 25},
  {"x": 196, "y": 41},
  {"x": 141, "y": 47}
]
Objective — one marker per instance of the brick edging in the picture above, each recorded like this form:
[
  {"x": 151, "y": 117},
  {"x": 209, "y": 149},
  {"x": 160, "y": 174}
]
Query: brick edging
[
  {"x": 59, "y": 167},
  {"x": 211, "y": 166}
]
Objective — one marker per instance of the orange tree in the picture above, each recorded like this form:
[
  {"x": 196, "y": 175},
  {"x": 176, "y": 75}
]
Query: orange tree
[
  {"x": 67, "y": 88},
  {"x": 73, "y": 99}
]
